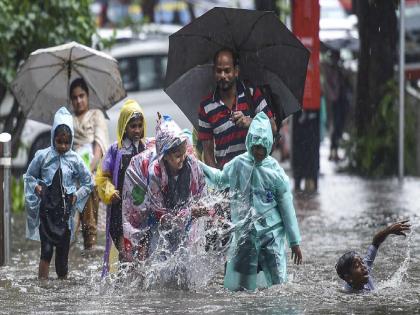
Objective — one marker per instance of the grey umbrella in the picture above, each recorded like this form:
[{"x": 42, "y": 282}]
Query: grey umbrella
[
  {"x": 42, "y": 83},
  {"x": 269, "y": 55}
]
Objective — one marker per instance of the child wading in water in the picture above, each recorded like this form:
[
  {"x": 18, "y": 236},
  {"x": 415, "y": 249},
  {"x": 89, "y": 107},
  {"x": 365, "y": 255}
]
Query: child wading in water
[
  {"x": 52, "y": 196},
  {"x": 355, "y": 271},
  {"x": 110, "y": 176},
  {"x": 175, "y": 185},
  {"x": 261, "y": 210}
]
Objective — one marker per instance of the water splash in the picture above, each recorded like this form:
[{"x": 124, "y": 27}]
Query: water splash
[
  {"x": 179, "y": 261},
  {"x": 400, "y": 275}
]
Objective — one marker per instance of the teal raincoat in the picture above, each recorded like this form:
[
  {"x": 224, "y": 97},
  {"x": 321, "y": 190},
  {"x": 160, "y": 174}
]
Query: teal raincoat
[
  {"x": 262, "y": 212},
  {"x": 76, "y": 177}
]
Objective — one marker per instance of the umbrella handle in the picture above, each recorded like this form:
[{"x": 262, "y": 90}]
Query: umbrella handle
[
  {"x": 68, "y": 81},
  {"x": 69, "y": 69}
]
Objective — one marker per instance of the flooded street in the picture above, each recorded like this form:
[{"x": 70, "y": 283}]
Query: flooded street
[{"x": 343, "y": 216}]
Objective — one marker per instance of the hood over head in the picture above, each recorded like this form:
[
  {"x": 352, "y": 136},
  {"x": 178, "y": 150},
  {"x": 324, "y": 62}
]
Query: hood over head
[
  {"x": 168, "y": 135},
  {"x": 62, "y": 117},
  {"x": 129, "y": 109},
  {"x": 260, "y": 133}
]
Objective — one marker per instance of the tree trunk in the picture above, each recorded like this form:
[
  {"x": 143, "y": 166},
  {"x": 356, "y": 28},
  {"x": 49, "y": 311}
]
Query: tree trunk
[{"x": 378, "y": 35}]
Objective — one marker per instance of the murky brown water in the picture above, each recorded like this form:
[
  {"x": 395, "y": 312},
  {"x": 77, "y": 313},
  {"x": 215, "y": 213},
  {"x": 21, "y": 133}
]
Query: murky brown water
[{"x": 344, "y": 215}]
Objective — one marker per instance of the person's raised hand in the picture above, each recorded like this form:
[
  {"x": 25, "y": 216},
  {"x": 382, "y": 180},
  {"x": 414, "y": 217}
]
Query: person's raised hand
[
  {"x": 399, "y": 228},
  {"x": 296, "y": 255}
]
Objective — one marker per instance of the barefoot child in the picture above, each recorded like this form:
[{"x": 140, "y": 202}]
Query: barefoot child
[
  {"x": 355, "y": 271},
  {"x": 52, "y": 195},
  {"x": 261, "y": 209}
]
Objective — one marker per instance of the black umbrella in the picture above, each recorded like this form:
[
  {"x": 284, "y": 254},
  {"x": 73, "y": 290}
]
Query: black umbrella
[{"x": 269, "y": 55}]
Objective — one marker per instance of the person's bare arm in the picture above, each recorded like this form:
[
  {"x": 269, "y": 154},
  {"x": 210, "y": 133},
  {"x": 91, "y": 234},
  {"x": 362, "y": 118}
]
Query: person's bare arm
[
  {"x": 208, "y": 153},
  {"x": 398, "y": 228},
  {"x": 97, "y": 155}
]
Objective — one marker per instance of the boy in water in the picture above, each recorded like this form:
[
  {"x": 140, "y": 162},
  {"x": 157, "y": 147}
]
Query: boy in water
[
  {"x": 52, "y": 195},
  {"x": 355, "y": 271},
  {"x": 262, "y": 212}
]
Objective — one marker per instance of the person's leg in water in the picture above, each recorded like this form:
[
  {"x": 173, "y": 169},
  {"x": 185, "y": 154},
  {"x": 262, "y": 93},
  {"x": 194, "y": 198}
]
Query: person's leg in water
[
  {"x": 271, "y": 260},
  {"x": 62, "y": 256},
  {"x": 89, "y": 219},
  {"x": 338, "y": 126},
  {"x": 247, "y": 262},
  {"x": 47, "y": 250},
  {"x": 43, "y": 269}
]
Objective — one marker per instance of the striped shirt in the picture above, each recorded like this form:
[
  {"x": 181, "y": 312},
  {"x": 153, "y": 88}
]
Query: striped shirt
[{"x": 214, "y": 122}]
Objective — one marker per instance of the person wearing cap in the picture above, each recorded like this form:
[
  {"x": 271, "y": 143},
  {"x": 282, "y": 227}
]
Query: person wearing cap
[{"x": 355, "y": 270}]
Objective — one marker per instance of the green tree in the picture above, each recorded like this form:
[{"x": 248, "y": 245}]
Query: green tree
[{"x": 27, "y": 25}]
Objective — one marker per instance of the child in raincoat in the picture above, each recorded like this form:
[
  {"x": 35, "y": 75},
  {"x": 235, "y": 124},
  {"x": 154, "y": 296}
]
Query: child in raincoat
[
  {"x": 175, "y": 184},
  {"x": 52, "y": 196},
  {"x": 261, "y": 210},
  {"x": 138, "y": 221},
  {"x": 110, "y": 175}
]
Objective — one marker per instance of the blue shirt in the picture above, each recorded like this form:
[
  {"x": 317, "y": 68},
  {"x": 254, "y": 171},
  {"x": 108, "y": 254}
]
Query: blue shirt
[{"x": 368, "y": 260}]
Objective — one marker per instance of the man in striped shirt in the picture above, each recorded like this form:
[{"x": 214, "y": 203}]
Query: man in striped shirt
[{"x": 225, "y": 115}]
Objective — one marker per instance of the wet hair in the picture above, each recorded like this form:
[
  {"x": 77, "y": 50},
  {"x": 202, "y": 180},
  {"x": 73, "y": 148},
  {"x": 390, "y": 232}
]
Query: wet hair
[
  {"x": 235, "y": 56},
  {"x": 62, "y": 129},
  {"x": 344, "y": 264},
  {"x": 79, "y": 82}
]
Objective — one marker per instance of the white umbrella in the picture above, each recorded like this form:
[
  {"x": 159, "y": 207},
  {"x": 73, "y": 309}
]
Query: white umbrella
[{"x": 43, "y": 81}]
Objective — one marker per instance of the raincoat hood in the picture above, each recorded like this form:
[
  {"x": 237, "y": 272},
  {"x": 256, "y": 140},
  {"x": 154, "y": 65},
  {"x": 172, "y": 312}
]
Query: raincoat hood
[
  {"x": 62, "y": 117},
  {"x": 259, "y": 134},
  {"x": 168, "y": 135},
  {"x": 129, "y": 108}
]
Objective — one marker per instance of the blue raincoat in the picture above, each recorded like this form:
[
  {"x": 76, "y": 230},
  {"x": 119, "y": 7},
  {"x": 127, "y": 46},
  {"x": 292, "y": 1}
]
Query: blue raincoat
[
  {"x": 76, "y": 177},
  {"x": 262, "y": 212}
]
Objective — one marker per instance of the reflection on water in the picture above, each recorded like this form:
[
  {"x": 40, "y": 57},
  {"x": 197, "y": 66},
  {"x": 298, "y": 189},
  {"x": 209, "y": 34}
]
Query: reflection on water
[{"x": 344, "y": 215}]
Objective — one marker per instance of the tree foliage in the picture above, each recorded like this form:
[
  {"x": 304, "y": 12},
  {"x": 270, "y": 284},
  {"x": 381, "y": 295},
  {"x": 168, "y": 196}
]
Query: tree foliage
[
  {"x": 375, "y": 153},
  {"x": 27, "y": 25}
]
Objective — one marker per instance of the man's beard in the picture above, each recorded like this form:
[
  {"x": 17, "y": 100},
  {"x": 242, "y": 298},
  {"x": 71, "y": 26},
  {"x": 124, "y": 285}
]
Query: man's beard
[{"x": 225, "y": 85}]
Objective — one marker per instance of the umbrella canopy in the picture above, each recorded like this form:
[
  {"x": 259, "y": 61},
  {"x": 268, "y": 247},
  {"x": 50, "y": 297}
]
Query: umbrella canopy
[
  {"x": 43, "y": 81},
  {"x": 269, "y": 54}
]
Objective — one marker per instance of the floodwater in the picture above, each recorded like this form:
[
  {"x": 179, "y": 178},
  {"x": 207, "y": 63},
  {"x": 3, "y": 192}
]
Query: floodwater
[{"x": 343, "y": 216}]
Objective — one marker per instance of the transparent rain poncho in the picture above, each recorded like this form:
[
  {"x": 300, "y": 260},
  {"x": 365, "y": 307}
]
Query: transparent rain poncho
[
  {"x": 262, "y": 212},
  {"x": 76, "y": 177}
]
